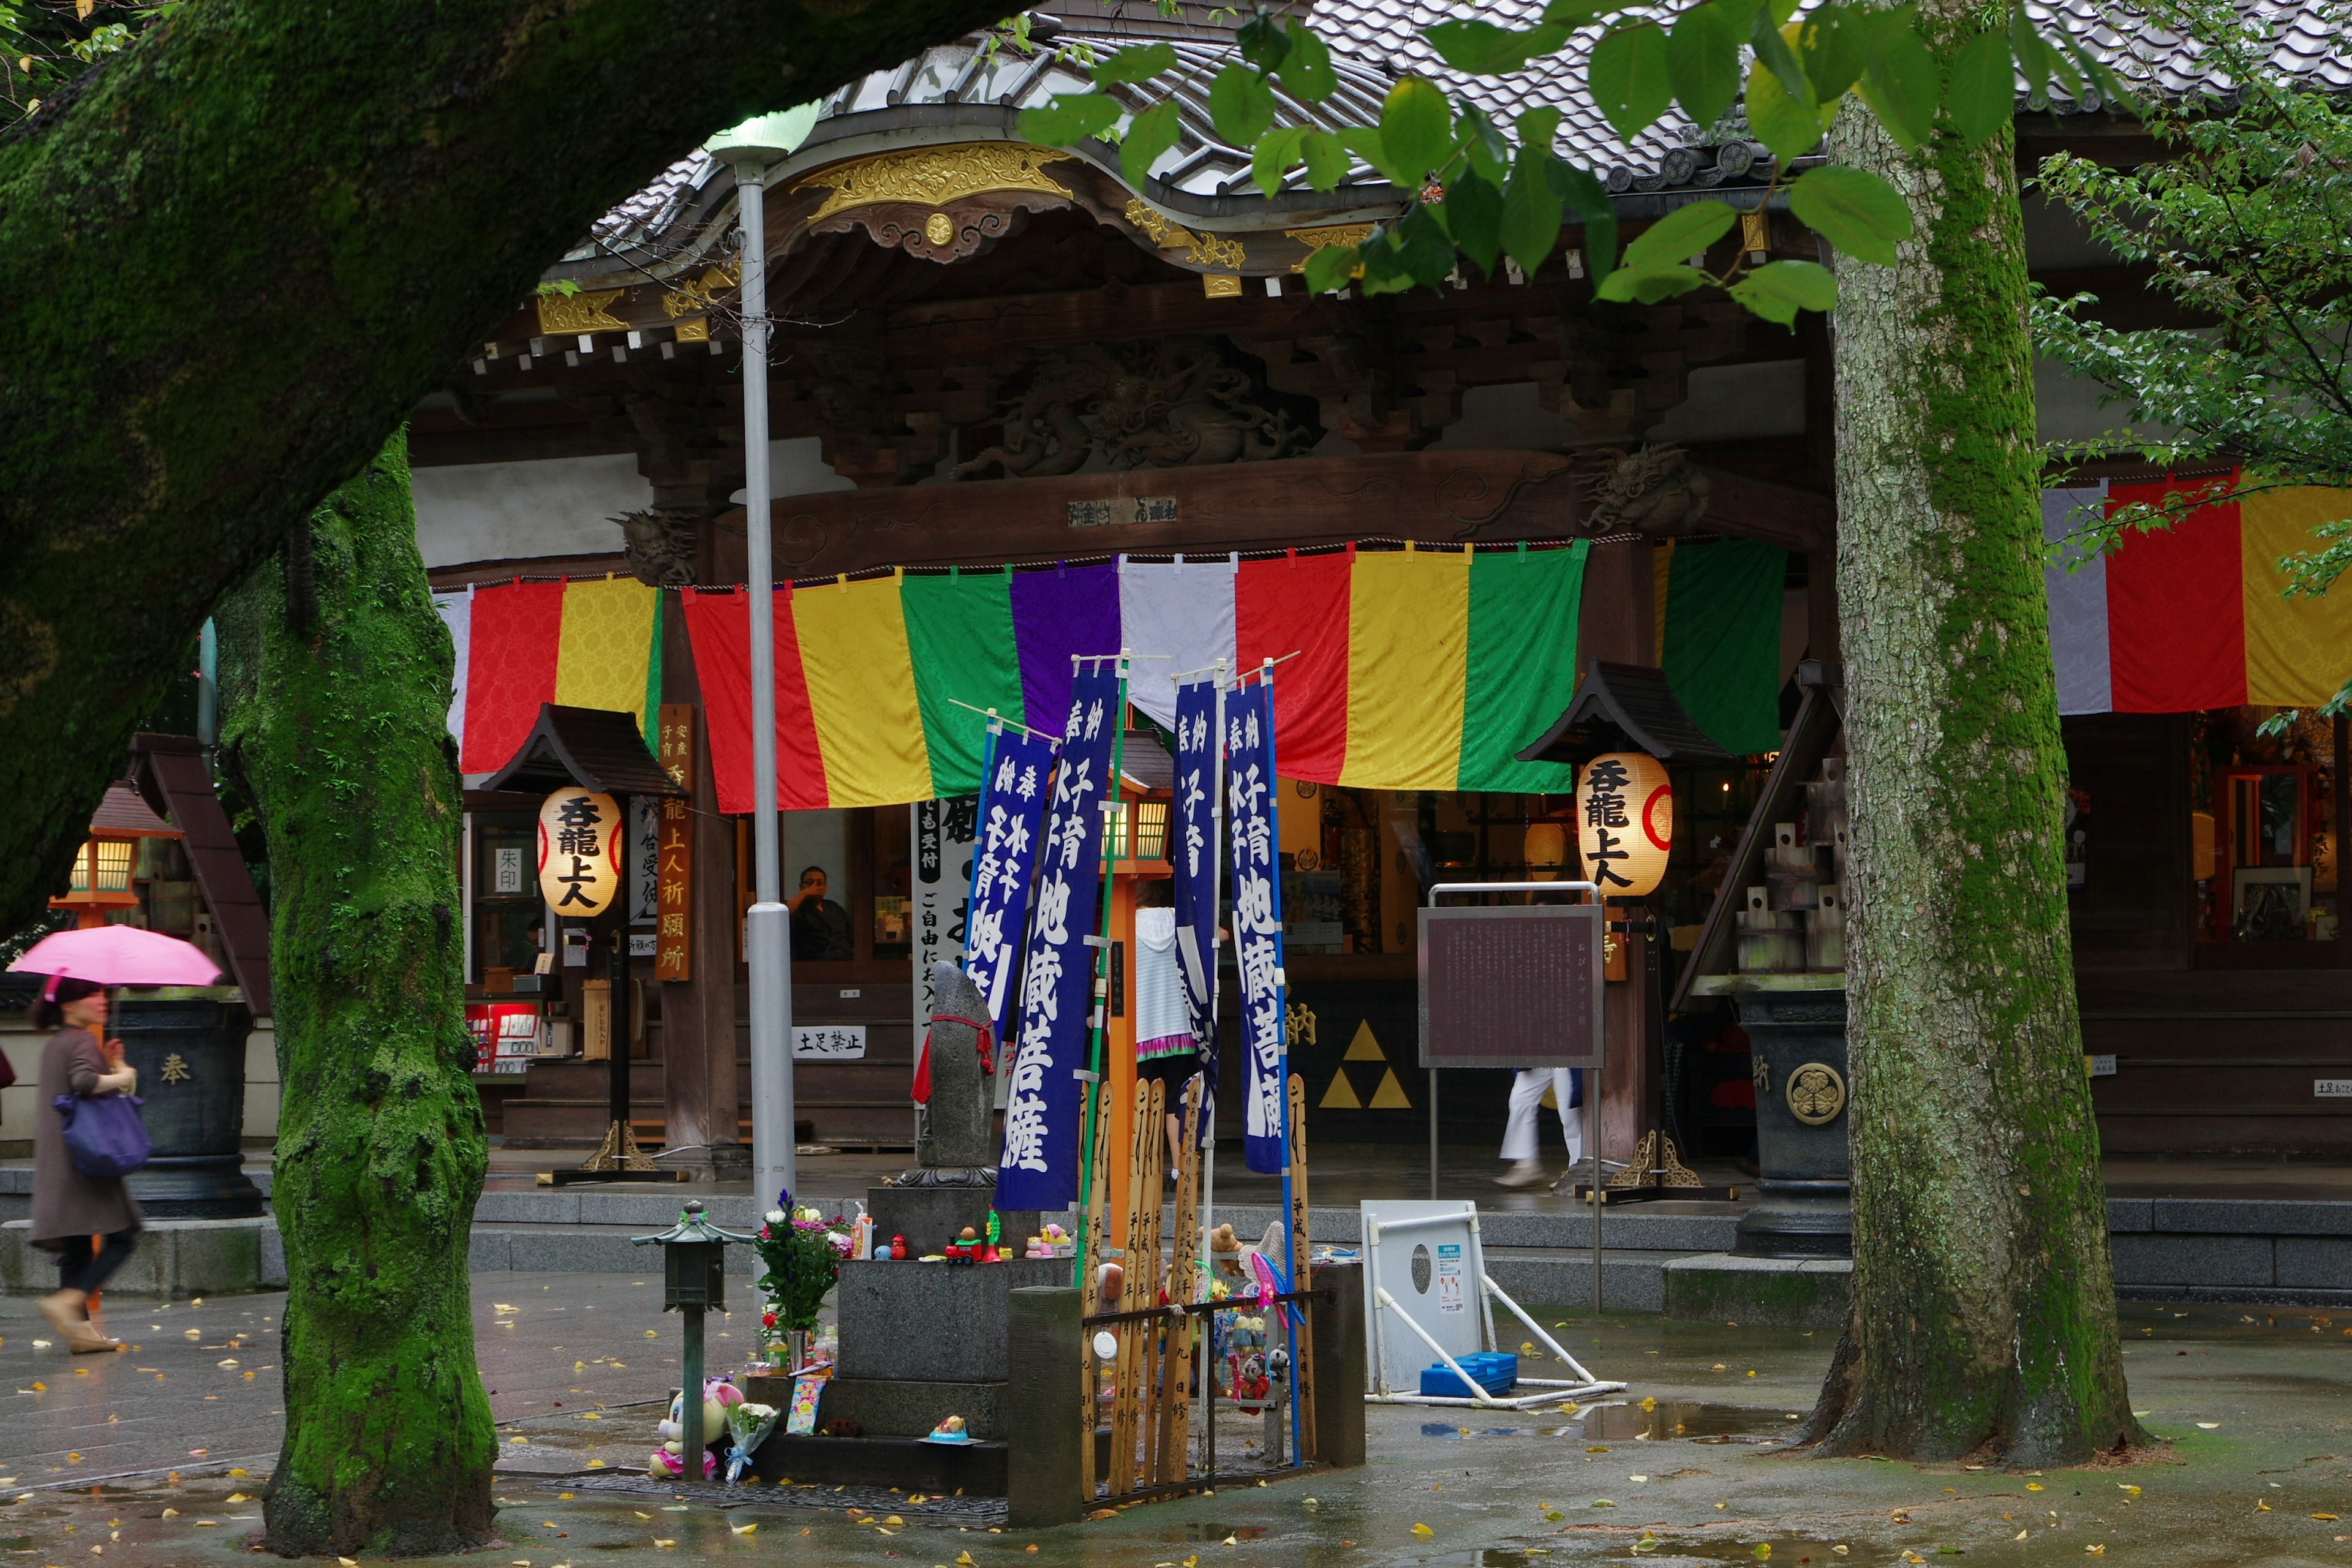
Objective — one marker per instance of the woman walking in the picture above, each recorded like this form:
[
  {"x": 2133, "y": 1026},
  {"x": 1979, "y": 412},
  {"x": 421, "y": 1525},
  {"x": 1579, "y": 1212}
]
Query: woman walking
[{"x": 70, "y": 1209}]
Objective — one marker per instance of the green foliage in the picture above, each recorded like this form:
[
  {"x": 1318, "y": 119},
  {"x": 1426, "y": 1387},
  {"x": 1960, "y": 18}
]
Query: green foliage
[
  {"x": 1472, "y": 190},
  {"x": 2243, "y": 223}
]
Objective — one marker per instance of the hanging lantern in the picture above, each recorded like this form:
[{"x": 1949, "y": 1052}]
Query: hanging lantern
[
  {"x": 1625, "y": 822},
  {"x": 1545, "y": 850},
  {"x": 580, "y": 842}
]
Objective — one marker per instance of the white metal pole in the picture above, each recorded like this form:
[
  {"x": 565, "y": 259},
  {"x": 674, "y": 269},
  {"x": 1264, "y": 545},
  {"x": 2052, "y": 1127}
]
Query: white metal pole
[{"x": 767, "y": 928}]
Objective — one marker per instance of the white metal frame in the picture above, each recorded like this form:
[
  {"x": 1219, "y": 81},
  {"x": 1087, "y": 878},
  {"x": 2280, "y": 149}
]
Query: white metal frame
[{"x": 1380, "y": 1305}]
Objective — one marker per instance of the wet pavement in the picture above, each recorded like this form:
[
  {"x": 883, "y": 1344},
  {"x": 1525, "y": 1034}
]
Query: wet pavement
[{"x": 1683, "y": 1470}]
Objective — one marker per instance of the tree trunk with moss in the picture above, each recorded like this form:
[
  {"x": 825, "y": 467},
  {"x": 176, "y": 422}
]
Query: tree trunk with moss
[
  {"x": 241, "y": 250},
  {"x": 1983, "y": 1319},
  {"x": 337, "y": 673}
]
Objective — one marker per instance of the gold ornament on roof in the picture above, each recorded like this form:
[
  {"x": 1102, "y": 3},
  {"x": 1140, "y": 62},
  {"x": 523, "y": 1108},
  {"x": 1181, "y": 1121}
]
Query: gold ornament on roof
[
  {"x": 934, "y": 176},
  {"x": 566, "y": 314},
  {"x": 1200, "y": 250},
  {"x": 689, "y": 296},
  {"x": 1315, "y": 239}
]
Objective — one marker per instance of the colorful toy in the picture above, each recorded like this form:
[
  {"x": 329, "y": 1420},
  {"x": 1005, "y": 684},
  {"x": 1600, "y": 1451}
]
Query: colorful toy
[
  {"x": 965, "y": 1247},
  {"x": 898, "y": 1248},
  {"x": 718, "y": 1397},
  {"x": 950, "y": 1430}
]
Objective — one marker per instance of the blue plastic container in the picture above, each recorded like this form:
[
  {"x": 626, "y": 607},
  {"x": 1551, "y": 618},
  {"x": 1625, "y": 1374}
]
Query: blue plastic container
[{"x": 1495, "y": 1371}]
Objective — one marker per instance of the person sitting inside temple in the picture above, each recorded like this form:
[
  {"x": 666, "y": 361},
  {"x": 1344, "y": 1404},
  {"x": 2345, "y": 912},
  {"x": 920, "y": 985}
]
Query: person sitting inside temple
[{"x": 821, "y": 928}]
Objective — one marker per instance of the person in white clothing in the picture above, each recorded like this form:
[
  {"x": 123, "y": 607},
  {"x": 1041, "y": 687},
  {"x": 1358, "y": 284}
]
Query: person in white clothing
[
  {"x": 1522, "y": 1143},
  {"x": 1164, "y": 1047}
]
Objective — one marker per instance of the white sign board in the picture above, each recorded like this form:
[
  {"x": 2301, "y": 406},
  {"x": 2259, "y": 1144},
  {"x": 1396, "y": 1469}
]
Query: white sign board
[
  {"x": 945, "y": 834},
  {"x": 828, "y": 1042},
  {"x": 1431, "y": 1268}
]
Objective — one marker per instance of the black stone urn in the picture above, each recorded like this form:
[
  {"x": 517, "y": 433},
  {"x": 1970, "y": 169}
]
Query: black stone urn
[
  {"x": 190, "y": 1054},
  {"x": 1802, "y": 1090}
]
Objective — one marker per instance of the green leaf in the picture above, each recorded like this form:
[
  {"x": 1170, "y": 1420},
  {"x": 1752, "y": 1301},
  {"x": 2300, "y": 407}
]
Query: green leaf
[
  {"x": 1327, "y": 159},
  {"x": 1903, "y": 84},
  {"x": 1854, "y": 210},
  {"x": 1539, "y": 127},
  {"x": 1384, "y": 269},
  {"x": 1068, "y": 121},
  {"x": 2032, "y": 53},
  {"x": 1778, "y": 290},
  {"x": 1276, "y": 155},
  {"x": 1364, "y": 142},
  {"x": 1628, "y": 79},
  {"x": 1791, "y": 127},
  {"x": 1681, "y": 233},
  {"x": 1263, "y": 44},
  {"x": 1651, "y": 286},
  {"x": 1306, "y": 70},
  {"x": 1472, "y": 212},
  {"x": 1149, "y": 134},
  {"x": 1424, "y": 247},
  {"x": 1484, "y": 50},
  {"x": 1487, "y": 150},
  {"x": 1570, "y": 14},
  {"x": 1332, "y": 268},
  {"x": 1983, "y": 89},
  {"x": 1416, "y": 127},
  {"x": 1702, "y": 61},
  {"x": 1772, "y": 52},
  {"x": 1589, "y": 197},
  {"x": 1241, "y": 106},
  {"x": 1531, "y": 207},
  {"x": 1139, "y": 64},
  {"x": 1836, "y": 44}
]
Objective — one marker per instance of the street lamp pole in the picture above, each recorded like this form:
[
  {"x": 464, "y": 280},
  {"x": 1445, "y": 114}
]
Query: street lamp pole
[{"x": 752, "y": 148}]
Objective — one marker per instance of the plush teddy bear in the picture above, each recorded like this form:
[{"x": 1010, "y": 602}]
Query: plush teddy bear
[{"x": 667, "y": 1461}]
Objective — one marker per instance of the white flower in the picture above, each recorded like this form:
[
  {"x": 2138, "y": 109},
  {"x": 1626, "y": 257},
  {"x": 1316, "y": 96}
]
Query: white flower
[{"x": 774, "y": 1216}]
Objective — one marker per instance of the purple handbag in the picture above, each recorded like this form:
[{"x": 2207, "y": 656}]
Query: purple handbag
[{"x": 104, "y": 1134}]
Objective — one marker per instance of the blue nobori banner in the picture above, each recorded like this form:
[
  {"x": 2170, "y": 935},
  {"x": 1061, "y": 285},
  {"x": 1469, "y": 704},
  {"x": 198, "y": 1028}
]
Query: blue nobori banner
[
  {"x": 1258, "y": 920},
  {"x": 1039, "y": 1167},
  {"x": 1195, "y": 849},
  {"x": 1012, "y": 815}
]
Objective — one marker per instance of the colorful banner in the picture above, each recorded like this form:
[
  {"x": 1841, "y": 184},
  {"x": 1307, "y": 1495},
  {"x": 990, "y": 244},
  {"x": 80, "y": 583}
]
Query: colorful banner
[
  {"x": 1258, "y": 920},
  {"x": 1200, "y": 805},
  {"x": 1012, "y": 810},
  {"x": 585, "y": 642},
  {"x": 2195, "y": 615},
  {"x": 1422, "y": 668},
  {"x": 1039, "y": 1167}
]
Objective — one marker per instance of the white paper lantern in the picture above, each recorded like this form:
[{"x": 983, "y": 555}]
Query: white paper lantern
[
  {"x": 580, "y": 844},
  {"x": 1625, "y": 822}
]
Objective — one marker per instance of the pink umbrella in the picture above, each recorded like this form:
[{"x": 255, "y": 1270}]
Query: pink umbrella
[{"x": 119, "y": 955}]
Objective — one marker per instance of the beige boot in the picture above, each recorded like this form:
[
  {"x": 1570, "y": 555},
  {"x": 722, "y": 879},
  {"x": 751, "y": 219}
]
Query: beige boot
[
  {"x": 1524, "y": 1173},
  {"x": 84, "y": 1339},
  {"x": 65, "y": 1310}
]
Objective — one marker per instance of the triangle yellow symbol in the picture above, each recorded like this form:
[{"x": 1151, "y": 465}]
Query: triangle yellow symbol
[
  {"x": 1341, "y": 1095},
  {"x": 1390, "y": 1096},
  {"x": 1365, "y": 1047}
]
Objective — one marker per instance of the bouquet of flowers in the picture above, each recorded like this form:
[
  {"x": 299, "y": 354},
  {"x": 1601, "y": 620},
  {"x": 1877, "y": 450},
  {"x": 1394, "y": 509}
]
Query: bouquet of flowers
[{"x": 801, "y": 1251}]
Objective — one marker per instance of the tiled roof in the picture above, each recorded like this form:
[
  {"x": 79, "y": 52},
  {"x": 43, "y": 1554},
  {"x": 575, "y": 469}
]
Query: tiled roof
[{"x": 1373, "y": 43}]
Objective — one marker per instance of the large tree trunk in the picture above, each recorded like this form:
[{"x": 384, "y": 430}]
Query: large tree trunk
[
  {"x": 1983, "y": 1319},
  {"x": 337, "y": 672},
  {"x": 240, "y": 251}
]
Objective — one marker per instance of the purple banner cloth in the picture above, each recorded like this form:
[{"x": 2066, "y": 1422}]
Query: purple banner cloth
[
  {"x": 1039, "y": 1166},
  {"x": 1056, "y": 612},
  {"x": 1195, "y": 849},
  {"x": 1257, "y": 924}
]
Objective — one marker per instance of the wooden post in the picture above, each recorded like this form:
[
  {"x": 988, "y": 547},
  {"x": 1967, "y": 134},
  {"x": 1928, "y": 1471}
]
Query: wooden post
[
  {"x": 1129, "y": 1375},
  {"x": 1090, "y": 1286},
  {"x": 1183, "y": 1286}
]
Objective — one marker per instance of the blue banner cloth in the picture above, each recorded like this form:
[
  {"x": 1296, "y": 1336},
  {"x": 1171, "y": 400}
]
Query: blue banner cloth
[
  {"x": 1039, "y": 1167},
  {"x": 1012, "y": 811},
  {"x": 1200, "y": 800},
  {"x": 1257, "y": 920}
]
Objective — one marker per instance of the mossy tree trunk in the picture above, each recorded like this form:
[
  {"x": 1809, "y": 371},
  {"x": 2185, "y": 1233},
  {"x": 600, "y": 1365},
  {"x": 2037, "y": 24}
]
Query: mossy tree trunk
[
  {"x": 337, "y": 674},
  {"x": 240, "y": 251},
  {"x": 1983, "y": 1319}
]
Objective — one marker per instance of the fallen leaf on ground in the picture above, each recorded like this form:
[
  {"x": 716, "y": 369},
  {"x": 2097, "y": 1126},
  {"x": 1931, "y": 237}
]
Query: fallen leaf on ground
[{"x": 1417, "y": 1530}]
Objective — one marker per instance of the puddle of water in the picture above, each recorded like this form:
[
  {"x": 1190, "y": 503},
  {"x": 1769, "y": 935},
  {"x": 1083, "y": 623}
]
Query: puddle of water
[
  {"x": 1216, "y": 1532},
  {"x": 1630, "y": 1422}
]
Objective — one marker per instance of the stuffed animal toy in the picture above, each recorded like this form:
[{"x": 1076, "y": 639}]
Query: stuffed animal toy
[{"x": 668, "y": 1460}]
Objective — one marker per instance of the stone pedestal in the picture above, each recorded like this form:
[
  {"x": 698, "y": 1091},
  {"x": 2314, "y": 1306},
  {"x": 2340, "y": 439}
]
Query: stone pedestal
[
  {"x": 1802, "y": 1090},
  {"x": 931, "y": 1217}
]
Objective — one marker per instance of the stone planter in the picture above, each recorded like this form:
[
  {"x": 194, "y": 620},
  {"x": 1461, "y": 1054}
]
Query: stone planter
[
  {"x": 1803, "y": 1092},
  {"x": 190, "y": 1054}
]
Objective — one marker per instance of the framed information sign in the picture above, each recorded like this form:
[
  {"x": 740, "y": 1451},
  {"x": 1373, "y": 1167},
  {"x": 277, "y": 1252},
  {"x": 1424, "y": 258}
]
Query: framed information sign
[{"x": 1518, "y": 986}]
